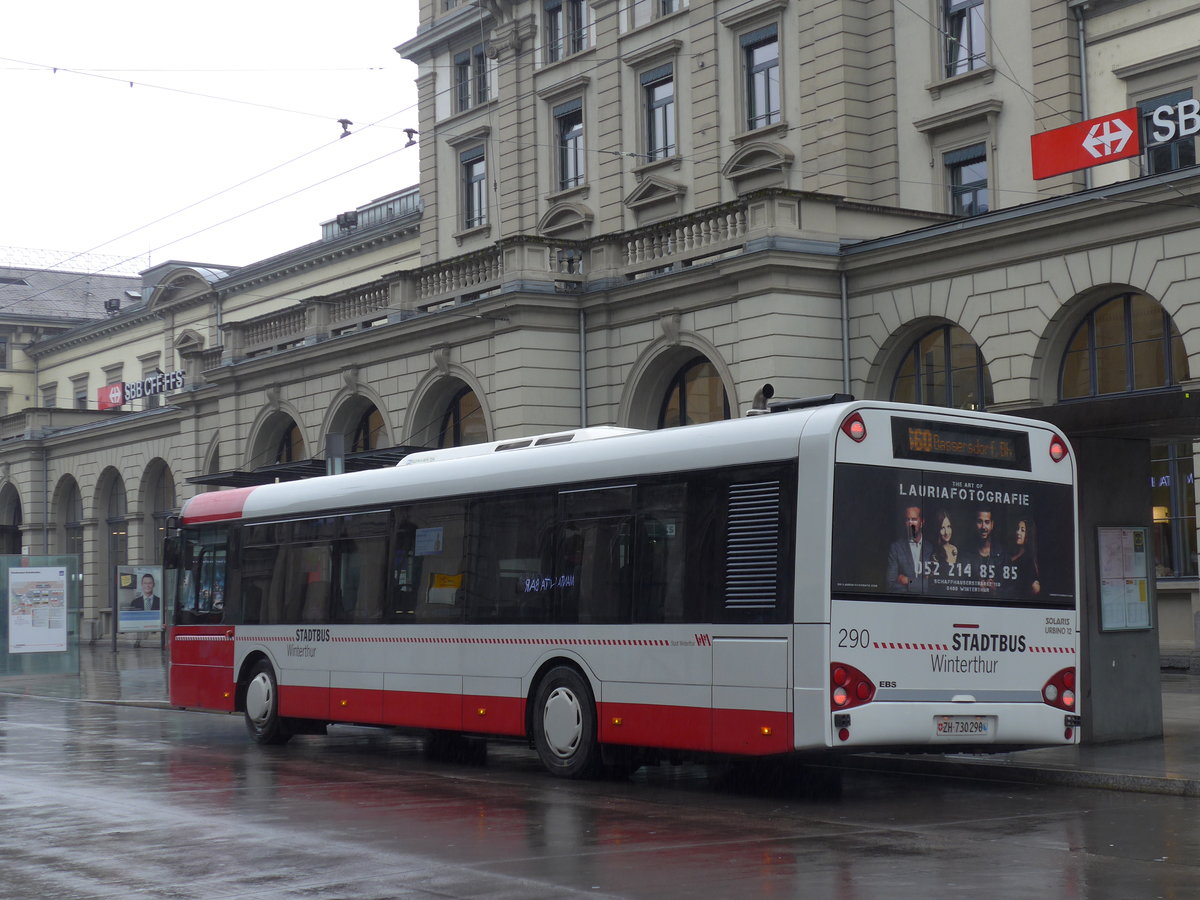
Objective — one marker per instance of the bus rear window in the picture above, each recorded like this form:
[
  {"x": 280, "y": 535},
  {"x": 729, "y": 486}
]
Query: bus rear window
[{"x": 912, "y": 534}]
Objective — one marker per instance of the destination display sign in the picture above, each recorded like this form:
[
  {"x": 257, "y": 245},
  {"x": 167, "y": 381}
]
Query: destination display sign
[{"x": 944, "y": 442}]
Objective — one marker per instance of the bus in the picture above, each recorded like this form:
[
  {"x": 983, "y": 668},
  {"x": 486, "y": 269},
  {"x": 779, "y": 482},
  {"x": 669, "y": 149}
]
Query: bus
[{"x": 829, "y": 575}]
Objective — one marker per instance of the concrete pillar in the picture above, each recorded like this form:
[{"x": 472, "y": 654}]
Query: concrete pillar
[{"x": 1121, "y": 695}]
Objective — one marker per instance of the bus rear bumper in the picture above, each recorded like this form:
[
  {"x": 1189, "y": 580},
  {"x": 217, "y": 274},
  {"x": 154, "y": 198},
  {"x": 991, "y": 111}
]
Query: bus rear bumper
[{"x": 941, "y": 727}]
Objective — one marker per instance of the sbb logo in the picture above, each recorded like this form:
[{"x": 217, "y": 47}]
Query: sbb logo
[
  {"x": 111, "y": 396},
  {"x": 1178, "y": 121}
]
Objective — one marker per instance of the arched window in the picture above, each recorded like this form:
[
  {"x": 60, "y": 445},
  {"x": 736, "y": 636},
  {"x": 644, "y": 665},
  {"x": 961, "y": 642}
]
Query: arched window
[
  {"x": 463, "y": 421},
  {"x": 70, "y": 518},
  {"x": 10, "y": 520},
  {"x": 694, "y": 395},
  {"x": 161, "y": 505},
  {"x": 944, "y": 368},
  {"x": 291, "y": 445},
  {"x": 368, "y": 430},
  {"x": 116, "y": 519},
  {"x": 1126, "y": 344}
]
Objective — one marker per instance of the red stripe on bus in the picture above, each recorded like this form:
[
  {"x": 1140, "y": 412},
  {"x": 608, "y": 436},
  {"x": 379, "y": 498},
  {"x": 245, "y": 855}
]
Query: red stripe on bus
[
  {"x": 647, "y": 725},
  {"x": 202, "y": 687},
  {"x": 215, "y": 506}
]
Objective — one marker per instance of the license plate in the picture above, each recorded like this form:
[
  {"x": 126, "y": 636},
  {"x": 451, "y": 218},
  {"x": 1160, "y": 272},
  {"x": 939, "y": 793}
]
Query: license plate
[{"x": 978, "y": 728}]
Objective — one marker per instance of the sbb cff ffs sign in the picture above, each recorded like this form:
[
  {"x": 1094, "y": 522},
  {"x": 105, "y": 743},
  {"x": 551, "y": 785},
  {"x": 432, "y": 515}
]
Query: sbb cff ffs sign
[
  {"x": 1109, "y": 138},
  {"x": 113, "y": 395}
]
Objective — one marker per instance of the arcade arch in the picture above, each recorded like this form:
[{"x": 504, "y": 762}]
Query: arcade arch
[
  {"x": 10, "y": 520},
  {"x": 678, "y": 384},
  {"x": 448, "y": 411}
]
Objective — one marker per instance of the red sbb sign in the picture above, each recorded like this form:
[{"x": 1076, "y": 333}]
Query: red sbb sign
[{"x": 1086, "y": 144}]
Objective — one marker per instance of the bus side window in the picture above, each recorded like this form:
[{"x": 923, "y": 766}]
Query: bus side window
[
  {"x": 308, "y": 581},
  {"x": 660, "y": 582},
  {"x": 361, "y": 582},
  {"x": 258, "y": 569}
]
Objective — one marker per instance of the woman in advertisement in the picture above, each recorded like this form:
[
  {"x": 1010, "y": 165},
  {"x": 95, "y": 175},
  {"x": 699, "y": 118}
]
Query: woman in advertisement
[
  {"x": 1024, "y": 560},
  {"x": 945, "y": 552}
]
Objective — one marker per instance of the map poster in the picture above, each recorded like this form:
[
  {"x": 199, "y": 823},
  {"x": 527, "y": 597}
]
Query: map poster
[{"x": 37, "y": 610}]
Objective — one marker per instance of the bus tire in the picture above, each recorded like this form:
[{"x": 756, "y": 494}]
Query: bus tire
[
  {"x": 263, "y": 721},
  {"x": 564, "y": 725}
]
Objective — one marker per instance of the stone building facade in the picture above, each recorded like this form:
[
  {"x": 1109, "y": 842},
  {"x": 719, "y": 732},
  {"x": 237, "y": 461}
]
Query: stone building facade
[{"x": 637, "y": 212}]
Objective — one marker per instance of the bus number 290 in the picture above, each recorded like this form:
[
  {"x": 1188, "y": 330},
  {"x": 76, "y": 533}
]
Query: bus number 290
[{"x": 854, "y": 637}]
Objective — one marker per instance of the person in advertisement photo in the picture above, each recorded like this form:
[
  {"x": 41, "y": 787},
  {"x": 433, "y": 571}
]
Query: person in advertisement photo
[
  {"x": 986, "y": 561},
  {"x": 146, "y": 598},
  {"x": 1023, "y": 560},
  {"x": 910, "y": 557},
  {"x": 946, "y": 552}
]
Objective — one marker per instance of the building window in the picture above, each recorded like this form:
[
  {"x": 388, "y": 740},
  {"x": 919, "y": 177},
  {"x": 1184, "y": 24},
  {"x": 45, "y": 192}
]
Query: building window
[
  {"x": 4, "y": 363},
  {"x": 641, "y": 12},
  {"x": 470, "y": 78},
  {"x": 367, "y": 431},
  {"x": 1165, "y": 151},
  {"x": 966, "y": 174},
  {"x": 568, "y": 128},
  {"x": 118, "y": 525},
  {"x": 658, "y": 86},
  {"x": 1173, "y": 499},
  {"x": 162, "y": 507},
  {"x": 760, "y": 50},
  {"x": 944, "y": 368},
  {"x": 70, "y": 515},
  {"x": 1126, "y": 344},
  {"x": 50, "y": 396},
  {"x": 695, "y": 395},
  {"x": 291, "y": 445},
  {"x": 463, "y": 422},
  {"x": 965, "y": 36},
  {"x": 474, "y": 187},
  {"x": 566, "y": 28}
]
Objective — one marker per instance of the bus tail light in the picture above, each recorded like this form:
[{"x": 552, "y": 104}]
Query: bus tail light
[
  {"x": 1059, "y": 691},
  {"x": 848, "y": 687},
  {"x": 855, "y": 428},
  {"x": 1058, "y": 449}
]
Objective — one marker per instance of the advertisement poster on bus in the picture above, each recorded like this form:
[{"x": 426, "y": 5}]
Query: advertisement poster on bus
[
  {"x": 139, "y": 598},
  {"x": 37, "y": 610},
  {"x": 955, "y": 537}
]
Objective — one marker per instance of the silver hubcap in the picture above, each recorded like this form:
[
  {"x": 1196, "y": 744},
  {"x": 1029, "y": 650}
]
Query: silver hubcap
[
  {"x": 562, "y": 723},
  {"x": 260, "y": 700}
]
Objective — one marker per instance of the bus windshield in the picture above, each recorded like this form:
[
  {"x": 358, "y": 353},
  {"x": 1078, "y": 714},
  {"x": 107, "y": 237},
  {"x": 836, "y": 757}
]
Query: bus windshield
[{"x": 966, "y": 538}]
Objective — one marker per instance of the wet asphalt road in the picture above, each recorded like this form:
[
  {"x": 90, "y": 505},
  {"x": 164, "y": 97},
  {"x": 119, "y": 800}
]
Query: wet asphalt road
[{"x": 112, "y": 801}]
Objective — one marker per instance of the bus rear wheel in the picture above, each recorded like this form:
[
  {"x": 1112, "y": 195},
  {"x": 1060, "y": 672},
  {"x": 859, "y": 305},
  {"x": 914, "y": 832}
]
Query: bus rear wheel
[
  {"x": 263, "y": 721},
  {"x": 564, "y": 725}
]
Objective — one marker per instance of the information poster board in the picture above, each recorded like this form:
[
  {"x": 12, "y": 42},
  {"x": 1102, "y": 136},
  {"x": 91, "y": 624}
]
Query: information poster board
[
  {"x": 139, "y": 603},
  {"x": 1125, "y": 586},
  {"x": 37, "y": 609}
]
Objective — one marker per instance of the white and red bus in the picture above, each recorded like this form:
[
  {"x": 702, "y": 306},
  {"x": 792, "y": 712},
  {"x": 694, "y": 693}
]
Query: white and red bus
[{"x": 736, "y": 588}]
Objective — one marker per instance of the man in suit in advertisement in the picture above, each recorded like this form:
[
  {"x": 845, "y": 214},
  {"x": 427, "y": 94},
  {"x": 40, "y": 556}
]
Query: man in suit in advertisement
[{"x": 910, "y": 557}]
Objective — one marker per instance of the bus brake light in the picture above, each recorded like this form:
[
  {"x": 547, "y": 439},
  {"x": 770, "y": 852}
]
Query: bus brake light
[
  {"x": 855, "y": 428},
  {"x": 1058, "y": 449},
  {"x": 848, "y": 687},
  {"x": 1059, "y": 691}
]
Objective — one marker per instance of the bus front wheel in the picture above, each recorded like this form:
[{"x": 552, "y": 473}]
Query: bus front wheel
[
  {"x": 262, "y": 707},
  {"x": 564, "y": 725}
]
